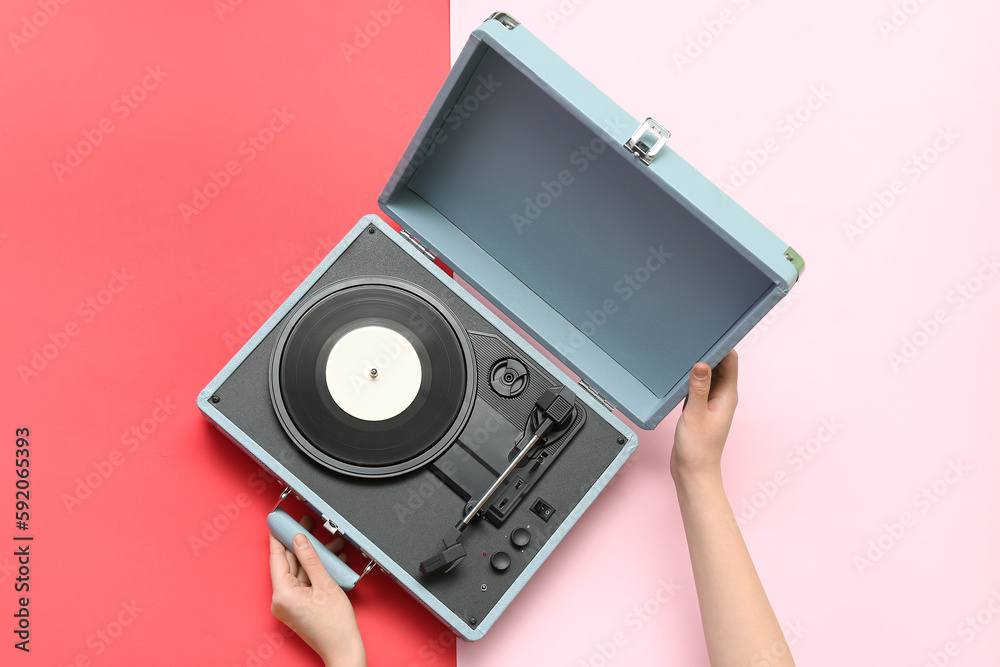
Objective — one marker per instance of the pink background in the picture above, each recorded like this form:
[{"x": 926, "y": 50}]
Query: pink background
[{"x": 823, "y": 357}]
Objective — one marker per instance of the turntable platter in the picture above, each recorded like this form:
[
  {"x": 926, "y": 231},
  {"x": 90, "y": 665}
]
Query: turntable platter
[{"x": 372, "y": 376}]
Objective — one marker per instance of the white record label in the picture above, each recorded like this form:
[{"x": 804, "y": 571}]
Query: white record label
[{"x": 373, "y": 373}]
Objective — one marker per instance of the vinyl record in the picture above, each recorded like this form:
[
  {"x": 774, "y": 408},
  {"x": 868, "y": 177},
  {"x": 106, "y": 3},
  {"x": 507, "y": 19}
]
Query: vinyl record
[{"x": 372, "y": 376}]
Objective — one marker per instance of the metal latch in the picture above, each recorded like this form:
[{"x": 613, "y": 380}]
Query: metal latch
[
  {"x": 419, "y": 245},
  {"x": 593, "y": 392},
  {"x": 639, "y": 143}
]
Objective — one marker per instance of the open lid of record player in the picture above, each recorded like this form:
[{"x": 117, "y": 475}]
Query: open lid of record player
[{"x": 582, "y": 225}]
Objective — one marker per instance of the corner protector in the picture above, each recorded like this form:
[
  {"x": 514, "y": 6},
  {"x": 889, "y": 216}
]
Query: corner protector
[
  {"x": 505, "y": 19},
  {"x": 796, "y": 260}
]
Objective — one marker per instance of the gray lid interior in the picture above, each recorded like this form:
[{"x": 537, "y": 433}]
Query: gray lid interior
[{"x": 535, "y": 202}]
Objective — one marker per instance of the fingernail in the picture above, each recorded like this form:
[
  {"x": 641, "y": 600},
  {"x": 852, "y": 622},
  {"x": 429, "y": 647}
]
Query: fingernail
[
  {"x": 700, "y": 373},
  {"x": 301, "y": 541}
]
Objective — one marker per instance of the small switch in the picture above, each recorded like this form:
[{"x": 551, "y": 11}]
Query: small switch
[
  {"x": 542, "y": 509},
  {"x": 520, "y": 537},
  {"x": 500, "y": 561}
]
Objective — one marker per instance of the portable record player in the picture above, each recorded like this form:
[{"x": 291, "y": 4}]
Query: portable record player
[{"x": 419, "y": 425}]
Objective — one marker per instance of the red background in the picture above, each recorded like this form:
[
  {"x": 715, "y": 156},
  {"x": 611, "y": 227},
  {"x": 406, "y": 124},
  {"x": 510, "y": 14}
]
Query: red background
[{"x": 126, "y": 475}]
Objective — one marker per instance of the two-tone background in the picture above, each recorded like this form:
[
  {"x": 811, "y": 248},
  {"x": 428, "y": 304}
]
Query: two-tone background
[{"x": 169, "y": 172}]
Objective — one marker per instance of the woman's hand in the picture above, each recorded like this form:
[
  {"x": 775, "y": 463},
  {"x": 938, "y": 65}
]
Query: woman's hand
[
  {"x": 309, "y": 601},
  {"x": 704, "y": 423}
]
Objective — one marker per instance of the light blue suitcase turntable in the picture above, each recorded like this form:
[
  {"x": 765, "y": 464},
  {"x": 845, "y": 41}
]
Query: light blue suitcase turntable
[{"x": 579, "y": 223}]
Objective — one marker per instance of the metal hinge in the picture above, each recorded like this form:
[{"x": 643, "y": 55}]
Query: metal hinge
[
  {"x": 639, "y": 145},
  {"x": 593, "y": 392},
  {"x": 419, "y": 245},
  {"x": 505, "y": 19}
]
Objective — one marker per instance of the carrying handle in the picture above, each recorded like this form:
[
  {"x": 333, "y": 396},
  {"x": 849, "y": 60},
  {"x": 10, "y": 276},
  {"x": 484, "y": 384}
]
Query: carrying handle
[{"x": 285, "y": 528}]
